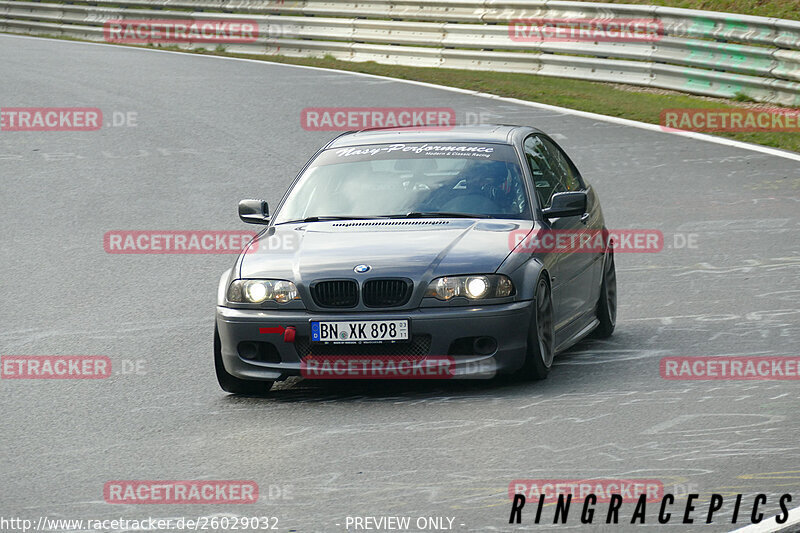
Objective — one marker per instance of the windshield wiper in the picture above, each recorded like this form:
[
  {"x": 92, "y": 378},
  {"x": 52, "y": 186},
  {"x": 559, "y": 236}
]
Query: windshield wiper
[
  {"x": 324, "y": 218},
  {"x": 413, "y": 214},
  {"x": 439, "y": 214}
]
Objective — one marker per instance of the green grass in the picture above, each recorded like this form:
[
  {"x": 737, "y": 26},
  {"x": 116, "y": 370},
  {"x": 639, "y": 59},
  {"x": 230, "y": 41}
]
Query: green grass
[{"x": 785, "y": 9}]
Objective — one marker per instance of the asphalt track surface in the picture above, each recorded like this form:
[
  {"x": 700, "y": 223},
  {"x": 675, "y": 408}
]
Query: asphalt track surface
[{"x": 210, "y": 132}]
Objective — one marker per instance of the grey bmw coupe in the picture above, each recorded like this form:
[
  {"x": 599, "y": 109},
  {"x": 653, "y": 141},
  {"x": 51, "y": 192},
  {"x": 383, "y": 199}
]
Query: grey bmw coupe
[{"x": 418, "y": 243}]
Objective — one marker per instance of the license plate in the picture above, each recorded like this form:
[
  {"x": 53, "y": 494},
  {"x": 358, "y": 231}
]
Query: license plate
[{"x": 359, "y": 331}]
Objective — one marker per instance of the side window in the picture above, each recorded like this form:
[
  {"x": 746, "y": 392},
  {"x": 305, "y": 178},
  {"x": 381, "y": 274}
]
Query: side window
[
  {"x": 551, "y": 171},
  {"x": 566, "y": 172},
  {"x": 545, "y": 180}
]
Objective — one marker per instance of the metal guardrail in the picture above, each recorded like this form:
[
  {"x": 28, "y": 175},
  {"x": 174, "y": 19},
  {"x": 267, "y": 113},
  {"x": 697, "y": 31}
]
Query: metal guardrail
[{"x": 698, "y": 52}]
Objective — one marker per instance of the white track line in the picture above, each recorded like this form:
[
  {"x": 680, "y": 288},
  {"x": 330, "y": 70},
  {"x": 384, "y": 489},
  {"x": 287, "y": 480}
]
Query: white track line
[
  {"x": 767, "y": 526},
  {"x": 584, "y": 114}
]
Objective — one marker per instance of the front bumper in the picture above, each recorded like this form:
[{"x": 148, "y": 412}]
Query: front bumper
[{"x": 507, "y": 323}]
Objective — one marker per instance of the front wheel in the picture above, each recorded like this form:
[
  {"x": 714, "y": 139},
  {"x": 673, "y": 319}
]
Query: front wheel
[
  {"x": 541, "y": 335},
  {"x": 232, "y": 384},
  {"x": 607, "y": 303}
]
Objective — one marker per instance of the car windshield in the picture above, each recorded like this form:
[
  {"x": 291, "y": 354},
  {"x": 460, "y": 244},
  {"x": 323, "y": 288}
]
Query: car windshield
[{"x": 410, "y": 180}]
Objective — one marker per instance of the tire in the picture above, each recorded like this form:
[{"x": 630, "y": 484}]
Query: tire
[
  {"x": 232, "y": 384},
  {"x": 607, "y": 303},
  {"x": 541, "y": 335}
]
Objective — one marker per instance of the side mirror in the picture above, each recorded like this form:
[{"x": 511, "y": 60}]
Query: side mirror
[
  {"x": 254, "y": 211},
  {"x": 566, "y": 204}
]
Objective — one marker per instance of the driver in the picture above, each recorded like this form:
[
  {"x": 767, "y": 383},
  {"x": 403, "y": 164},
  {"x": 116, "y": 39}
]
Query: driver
[{"x": 491, "y": 180}]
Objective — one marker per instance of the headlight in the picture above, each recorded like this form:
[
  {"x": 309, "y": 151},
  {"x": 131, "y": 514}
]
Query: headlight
[
  {"x": 284, "y": 291},
  {"x": 477, "y": 287},
  {"x": 255, "y": 291}
]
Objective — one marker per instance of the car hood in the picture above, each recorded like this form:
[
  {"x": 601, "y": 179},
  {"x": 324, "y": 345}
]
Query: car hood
[{"x": 416, "y": 249}]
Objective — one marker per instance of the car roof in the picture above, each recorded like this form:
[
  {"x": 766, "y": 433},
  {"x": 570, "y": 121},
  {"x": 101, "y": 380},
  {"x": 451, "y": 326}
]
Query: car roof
[{"x": 484, "y": 133}]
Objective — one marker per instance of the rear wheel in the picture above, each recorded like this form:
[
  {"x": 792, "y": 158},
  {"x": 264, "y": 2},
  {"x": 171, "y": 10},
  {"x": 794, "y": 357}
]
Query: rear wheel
[
  {"x": 541, "y": 335},
  {"x": 232, "y": 384},
  {"x": 607, "y": 303}
]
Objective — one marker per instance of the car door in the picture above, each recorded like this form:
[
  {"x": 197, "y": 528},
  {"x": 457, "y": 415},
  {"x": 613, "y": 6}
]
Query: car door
[{"x": 573, "y": 270}]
